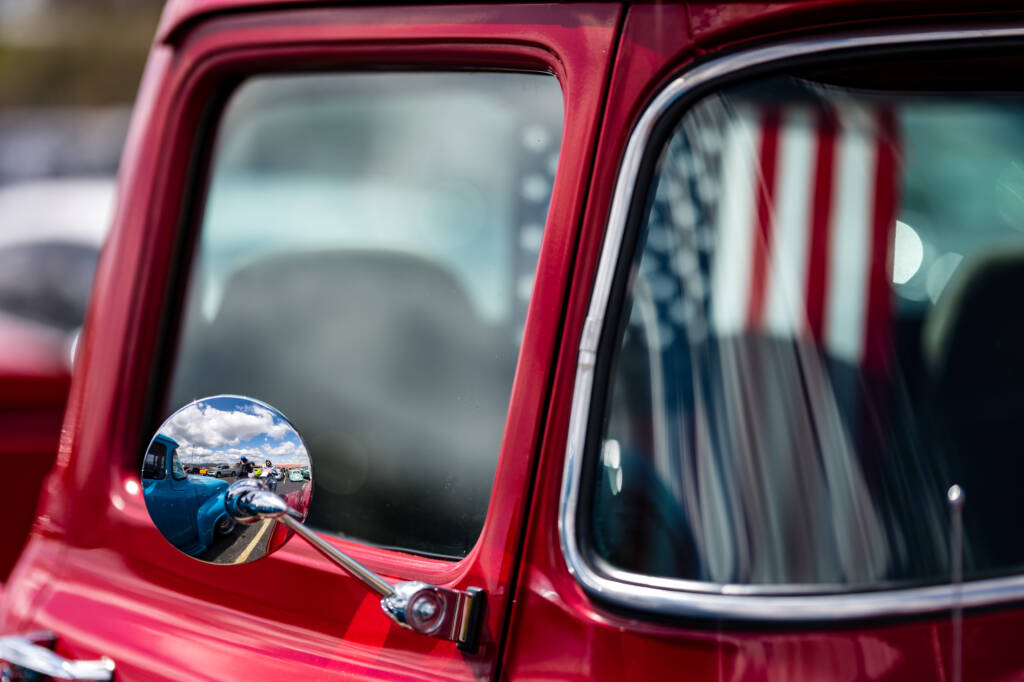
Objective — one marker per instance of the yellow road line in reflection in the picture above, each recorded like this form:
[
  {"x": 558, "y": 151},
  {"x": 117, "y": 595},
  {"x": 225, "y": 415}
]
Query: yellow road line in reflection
[{"x": 252, "y": 545}]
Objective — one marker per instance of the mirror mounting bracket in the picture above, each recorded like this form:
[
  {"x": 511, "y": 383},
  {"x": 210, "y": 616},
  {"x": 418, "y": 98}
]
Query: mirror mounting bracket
[
  {"x": 438, "y": 611},
  {"x": 219, "y": 518},
  {"x": 454, "y": 615}
]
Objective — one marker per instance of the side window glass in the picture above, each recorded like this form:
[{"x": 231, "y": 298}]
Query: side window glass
[
  {"x": 177, "y": 470},
  {"x": 820, "y": 338},
  {"x": 153, "y": 463},
  {"x": 364, "y": 263}
]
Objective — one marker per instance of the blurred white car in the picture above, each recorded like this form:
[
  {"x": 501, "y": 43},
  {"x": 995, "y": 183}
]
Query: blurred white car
[{"x": 51, "y": 232}]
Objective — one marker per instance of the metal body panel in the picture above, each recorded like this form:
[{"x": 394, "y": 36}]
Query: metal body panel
[{"x": 34, "y": 380}]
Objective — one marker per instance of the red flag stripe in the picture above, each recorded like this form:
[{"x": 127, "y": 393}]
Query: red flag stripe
[
  {"x": 821, "y": 217},
  {"x": 765, "y": 209},
  {"x": 886, "y": 194}
]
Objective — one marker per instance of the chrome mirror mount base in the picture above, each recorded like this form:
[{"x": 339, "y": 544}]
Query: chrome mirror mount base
[
  {"x": 433, "y": 611},
  {"x": 438, "y": 612}
]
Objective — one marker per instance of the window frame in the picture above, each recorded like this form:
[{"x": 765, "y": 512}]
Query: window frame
[
  {"x": 599, "y": 344},
  {"x": 209, "y": 86},
  {"x": 472, "y": 59}
]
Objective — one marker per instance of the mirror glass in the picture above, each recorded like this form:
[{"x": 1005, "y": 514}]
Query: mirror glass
[{"x": 214, "y": 449}]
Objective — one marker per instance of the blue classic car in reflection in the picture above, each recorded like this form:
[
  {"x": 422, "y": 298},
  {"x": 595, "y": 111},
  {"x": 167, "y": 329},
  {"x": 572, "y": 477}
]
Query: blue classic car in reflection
[{"x": 188, "y": 510}]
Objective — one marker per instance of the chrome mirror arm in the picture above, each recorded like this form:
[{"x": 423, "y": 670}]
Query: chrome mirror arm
[
  {"x": 369, "y": 578},
  {"x": 434, "y": 611}
]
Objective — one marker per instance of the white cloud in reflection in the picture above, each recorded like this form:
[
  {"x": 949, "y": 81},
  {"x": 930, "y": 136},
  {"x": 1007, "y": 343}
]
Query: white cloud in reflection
[
  {"x": 222, "y": 430},
  {"x": 202, "y": 425}
]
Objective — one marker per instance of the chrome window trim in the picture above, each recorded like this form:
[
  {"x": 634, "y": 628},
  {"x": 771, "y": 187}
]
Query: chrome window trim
[{"x": 692, "y": 599}]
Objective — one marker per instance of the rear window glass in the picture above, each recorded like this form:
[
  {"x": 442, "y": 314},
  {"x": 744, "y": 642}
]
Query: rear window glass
[{"x": 821, "y": 336}]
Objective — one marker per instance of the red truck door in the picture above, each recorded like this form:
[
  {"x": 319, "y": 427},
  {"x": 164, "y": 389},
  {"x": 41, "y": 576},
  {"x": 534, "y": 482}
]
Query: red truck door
[{"x": 366, "y": 218}]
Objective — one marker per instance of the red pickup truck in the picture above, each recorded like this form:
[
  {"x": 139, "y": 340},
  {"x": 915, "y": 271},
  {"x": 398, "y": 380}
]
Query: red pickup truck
[{"x": 667, "y": 340}]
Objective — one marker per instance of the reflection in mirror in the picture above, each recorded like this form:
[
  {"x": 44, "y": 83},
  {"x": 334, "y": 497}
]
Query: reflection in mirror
[{"x": 212, "y": 444}]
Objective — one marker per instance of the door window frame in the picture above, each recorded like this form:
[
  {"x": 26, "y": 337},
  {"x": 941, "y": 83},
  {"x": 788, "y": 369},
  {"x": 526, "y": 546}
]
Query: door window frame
[
  {"x": 596, "y": 351},
  {"x": 215, "y": 129},
  {"x": 213, "y": 81}
]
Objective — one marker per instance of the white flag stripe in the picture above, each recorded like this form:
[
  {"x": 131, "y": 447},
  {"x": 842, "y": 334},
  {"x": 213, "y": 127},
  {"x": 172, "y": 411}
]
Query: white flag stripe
[
  {"x": 790, "y": 241},
  {"x": 730, "y": 280},
  {"x": 850, "y": 246}
]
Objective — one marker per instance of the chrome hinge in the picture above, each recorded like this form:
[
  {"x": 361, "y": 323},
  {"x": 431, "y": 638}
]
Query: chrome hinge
[
  {"x": 438, "y": 611},
  {"x": 428, "y": 609}
]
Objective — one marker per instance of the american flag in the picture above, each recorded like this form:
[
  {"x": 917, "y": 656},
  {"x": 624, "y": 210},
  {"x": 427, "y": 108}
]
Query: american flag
[
  {"x": 770, "y": 222},
  {"x": 806, "y": 226}
]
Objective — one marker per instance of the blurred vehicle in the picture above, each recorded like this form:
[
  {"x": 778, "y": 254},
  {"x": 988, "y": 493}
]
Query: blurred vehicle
[
  {"x": 296, "y": 476},
  {"x": 50, "y": 236},
  {"x": 684, "y": 334}
]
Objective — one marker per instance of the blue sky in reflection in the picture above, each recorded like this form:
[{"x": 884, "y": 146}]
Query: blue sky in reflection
[{"x": 221, "y": 430}]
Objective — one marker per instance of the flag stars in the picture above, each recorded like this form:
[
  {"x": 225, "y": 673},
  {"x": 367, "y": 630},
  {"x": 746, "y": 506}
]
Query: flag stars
[
  {"x": 536, "y": 138},
  {"x": 530, "y": 237},
  {"x": 535, "y": 188},
  {"x": 658, "y": 238},
  {"x": 663, "y": 287},
  {"x": 552, "y": 165}
]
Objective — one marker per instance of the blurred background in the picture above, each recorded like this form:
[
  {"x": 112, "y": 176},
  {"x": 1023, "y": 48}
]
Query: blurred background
[{"x": 69, "y": 70}]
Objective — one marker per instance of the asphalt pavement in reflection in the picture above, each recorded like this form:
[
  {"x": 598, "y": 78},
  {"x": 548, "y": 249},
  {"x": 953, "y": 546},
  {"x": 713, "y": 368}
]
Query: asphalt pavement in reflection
[{"x": 246, "y": 542}]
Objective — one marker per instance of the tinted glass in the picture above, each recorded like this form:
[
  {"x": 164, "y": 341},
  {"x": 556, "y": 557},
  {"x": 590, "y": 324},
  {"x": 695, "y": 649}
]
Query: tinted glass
[
  {"x": 821, "y": 337},
  {"x": 177, "y": 470},
  {"x": 364, "y": 264},
  {"x": 153, "y": 465}
]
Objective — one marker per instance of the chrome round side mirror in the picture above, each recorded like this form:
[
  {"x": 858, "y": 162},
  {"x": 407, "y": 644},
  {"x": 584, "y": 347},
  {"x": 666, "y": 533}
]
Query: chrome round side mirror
[
  {"x": 205, "y": 444},
  {"x": 220, "y": 473}
]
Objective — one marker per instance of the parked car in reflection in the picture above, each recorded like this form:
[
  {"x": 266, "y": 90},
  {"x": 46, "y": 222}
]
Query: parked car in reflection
[
  {"x": 188, "y": 510},
  {"x": 220, "y": 471},
  {"x": 296, "y": 476}
]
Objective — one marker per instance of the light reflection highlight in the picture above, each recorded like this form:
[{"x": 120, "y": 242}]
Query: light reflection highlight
[{"x": 907, "y": 254}]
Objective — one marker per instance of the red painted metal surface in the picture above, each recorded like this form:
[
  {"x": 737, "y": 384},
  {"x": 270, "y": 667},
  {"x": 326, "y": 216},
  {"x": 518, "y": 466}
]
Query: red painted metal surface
[
  {"x": 558, "y": 631},
  {"x": 716, "y": 25},
  {"x": 34, "y": 379},
  {"x": 96, "y": 571}
]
